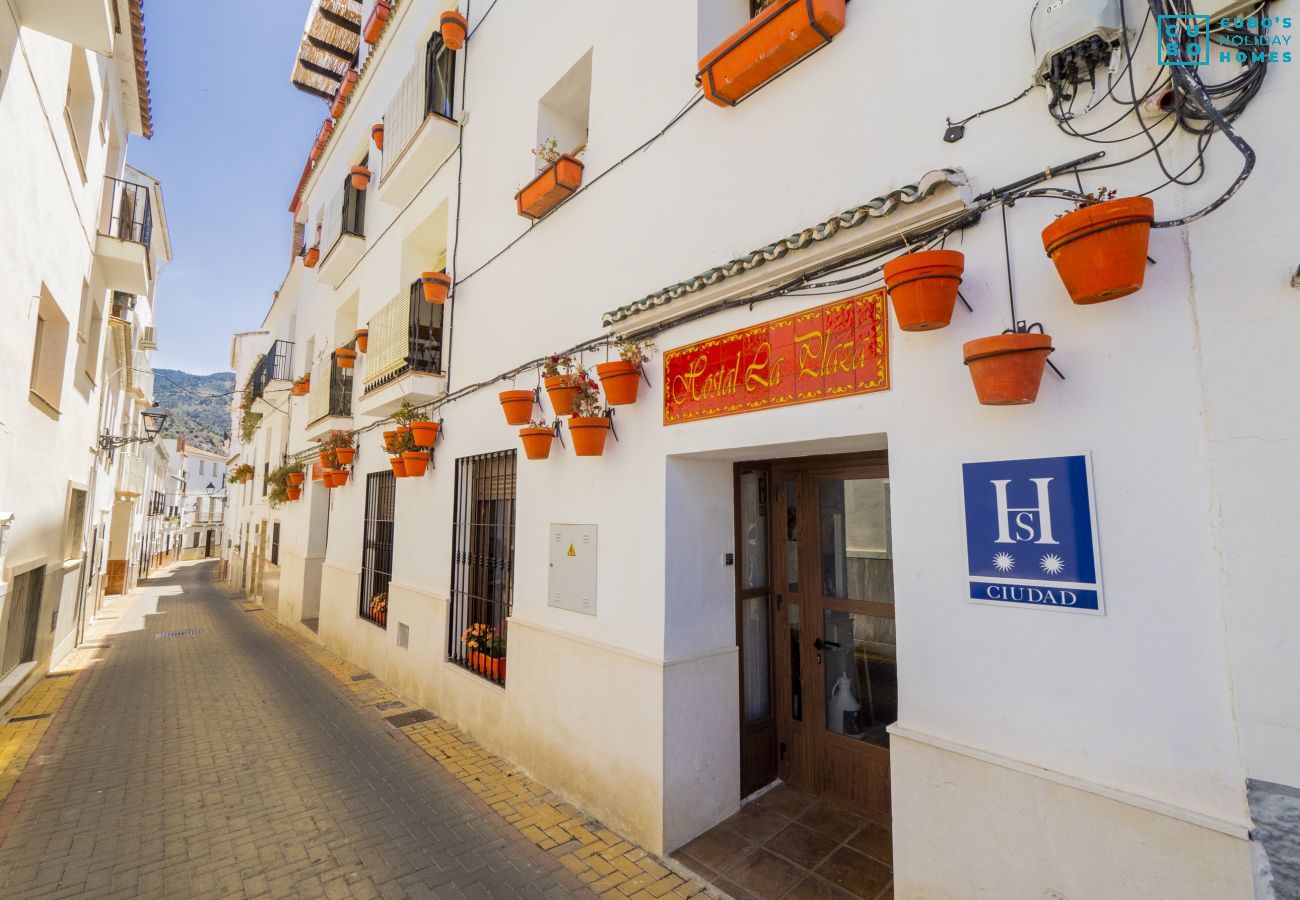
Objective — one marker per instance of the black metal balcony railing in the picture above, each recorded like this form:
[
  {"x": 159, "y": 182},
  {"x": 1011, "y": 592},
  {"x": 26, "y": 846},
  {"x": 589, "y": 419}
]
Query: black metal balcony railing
[
  {"x": 331, "y": 391},
  {"x": 274, "y": 366},
  {"x": 129, "y": 214}
]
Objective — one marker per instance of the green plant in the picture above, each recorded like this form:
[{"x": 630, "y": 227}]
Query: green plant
[
  {"x": 635, "y": 352},
  {"x": 587, "y": 402},
  {"x": 540, "y": 424},
  {"x": 404, "y": 443},
  {"x": 277, "y": 483},
  {"x": 337, "y": 439},
  {"x": 557, "y": 364},
  {"x": 248, "y": 425},
  {"x": 406, "y": 414},
  {"x": 549, "y": 152},
  {"x": 484, "y": 639},
  {"x": 1092, "y": 198}
]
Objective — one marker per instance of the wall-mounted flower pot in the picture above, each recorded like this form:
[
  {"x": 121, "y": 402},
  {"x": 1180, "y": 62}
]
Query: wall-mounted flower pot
[
  {"x": 345, "y": 357},
  {"x": 377, "y": 133},
  {"x": 360, "y": 177},
  {"x": 454, "y": 28},
  {"x": 561, "y": 388},
  {"x": 425, "y": 434},
  {"x": 553, "y": 186},
  {"x": 322, "y": 138},
  {"x": 390, "y": 441},
  {"x": 589, "y": 435},
  {"x": 435, "y": 286},
  {"x": 403, "y": 429},
  {"x": 363, "y": 339},
  {"x": 493, "y": 667},
  {"x": 1007, "y": 368},
  {"x": 293, "y": 493},
  {"x": 335, "y": 478},
  {"x": 375, "y": 24},
  {"x": 345, "y": 455},
  {"x": 311, "y": 257},
  {"x": 517, "y": 405},
  {"x": 537, "y": 441},
  {"x": 416, "y": 462},
  {"x": 296, "y": 479},
  {"x": 399, "y": 466},
  {"x": 345, "y": 91},
  {"x": 326, "y": 459},
  {"x": 1100, "y": 251},
  {"x": 620, "y": 380},
  {"x": 774, "y": 40},
  {"x": 923, "y": 288}
]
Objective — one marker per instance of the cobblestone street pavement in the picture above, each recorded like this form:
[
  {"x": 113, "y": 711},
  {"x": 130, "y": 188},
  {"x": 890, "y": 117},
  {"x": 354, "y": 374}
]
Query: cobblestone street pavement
[{"x": 204, "y": 756}]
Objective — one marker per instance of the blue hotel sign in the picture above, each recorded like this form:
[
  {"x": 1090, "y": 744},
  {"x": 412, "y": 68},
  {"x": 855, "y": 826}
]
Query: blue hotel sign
[{"x": 1031, "y": 533}]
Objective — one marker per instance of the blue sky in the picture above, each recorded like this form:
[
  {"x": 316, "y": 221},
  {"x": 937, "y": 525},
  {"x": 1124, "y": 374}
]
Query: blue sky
[{"x": 230, "y": 139}]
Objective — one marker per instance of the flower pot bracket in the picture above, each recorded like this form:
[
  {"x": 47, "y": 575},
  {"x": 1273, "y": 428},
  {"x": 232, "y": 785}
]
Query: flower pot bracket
[
  {"x": 1098, "y": 229},
  {"x": 1022, "y": 328}
]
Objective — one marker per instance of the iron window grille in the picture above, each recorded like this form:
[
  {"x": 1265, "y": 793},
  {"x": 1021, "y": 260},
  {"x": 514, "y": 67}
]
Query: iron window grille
[
  {"x": 440, "y": 79},
  {"x": 129, "y": 215},
  {"x": 20, "y": 624},
  {"x": 482, "y": 560},
  {"x": 275, "y": 365},
  {"x": 377, "y": 547},
  {"x": 336, "y": 397}
]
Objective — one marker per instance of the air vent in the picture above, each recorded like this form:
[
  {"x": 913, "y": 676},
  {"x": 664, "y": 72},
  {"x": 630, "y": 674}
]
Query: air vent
[{"x": 403, "y": 635}]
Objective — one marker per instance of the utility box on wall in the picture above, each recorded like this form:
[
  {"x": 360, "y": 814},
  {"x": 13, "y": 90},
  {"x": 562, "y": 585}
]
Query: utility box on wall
[{"x": 573, "y": 568}]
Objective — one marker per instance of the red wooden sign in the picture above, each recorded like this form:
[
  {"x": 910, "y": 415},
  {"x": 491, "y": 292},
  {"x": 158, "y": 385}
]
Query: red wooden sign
[{"x": 835, "y": 350}]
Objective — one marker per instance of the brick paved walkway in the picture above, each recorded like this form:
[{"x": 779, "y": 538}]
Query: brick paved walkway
[{"x": 203, "y": 756}]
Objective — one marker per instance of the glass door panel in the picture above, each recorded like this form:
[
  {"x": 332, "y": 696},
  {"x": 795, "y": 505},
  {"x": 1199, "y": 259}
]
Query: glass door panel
[
  {"x": 756, "y": 625},
  {"x": 855, "y": 548},
  {"x": 860, "y": 665}
]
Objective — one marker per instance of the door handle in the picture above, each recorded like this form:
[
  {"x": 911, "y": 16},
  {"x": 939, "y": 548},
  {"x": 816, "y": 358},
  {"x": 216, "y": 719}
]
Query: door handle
[{"x": 822, "y": 645}]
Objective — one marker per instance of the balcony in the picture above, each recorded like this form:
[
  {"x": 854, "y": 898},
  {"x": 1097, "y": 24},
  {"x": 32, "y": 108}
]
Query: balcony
[
  {"x": 86, "y": 23},
  {"x": 404, "y": 359},
  {"x": 272, "y": 373},
  {"x": 130, "y": 475},
  {"x": 343, "y": 234},
  {"x": 125, "y": 228},
  {"x": 419, "y": 131},
  {"x": 329, "y": 405}
]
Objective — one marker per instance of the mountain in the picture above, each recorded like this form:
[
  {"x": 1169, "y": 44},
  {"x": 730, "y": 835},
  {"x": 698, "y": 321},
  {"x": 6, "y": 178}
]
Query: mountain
[{"x": 198, "y": 406}]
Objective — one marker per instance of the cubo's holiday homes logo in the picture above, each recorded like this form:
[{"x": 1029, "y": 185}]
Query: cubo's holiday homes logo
[{"x": 1188, "y": 41}]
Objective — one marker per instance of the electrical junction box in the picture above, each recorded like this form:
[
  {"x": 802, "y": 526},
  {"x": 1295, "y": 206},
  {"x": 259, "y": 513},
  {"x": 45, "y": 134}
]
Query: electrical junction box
[
  {"x": 1060, "y": 27},
  {"x": 572, "y": 584}
]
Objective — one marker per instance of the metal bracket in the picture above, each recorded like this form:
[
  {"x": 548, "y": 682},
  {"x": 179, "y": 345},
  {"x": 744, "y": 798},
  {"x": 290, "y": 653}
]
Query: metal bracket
[
  {"x": 559, "y": 433},
  {"x": 609, "y": 414},
  {"x": 965, "y": 302}
]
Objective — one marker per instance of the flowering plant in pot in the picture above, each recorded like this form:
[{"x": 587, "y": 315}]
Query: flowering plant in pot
[
  {"x": 377, "y": 609},
  {"x": 923, "y": 287},
  {"x": 559, "y": 178},
  {"x": 279, "y": 488},
  {"x": 621, "y": 378},
  {"x": 408, "y": 460},
  {"x": 561, "y": 382},
  {"x": 517, "y": 405},
  {"x": 485, "y": 650},
  {"x": 1007, "y": 368},
  {"x": 241, "y": 473},
  {"x": 537, "y": 438},
  {"x": 338, "y": 448},
  {"x": 423, "y": 431},
  {"x": 589, "y": 424},
  {"x": 1100, "y": 248}
]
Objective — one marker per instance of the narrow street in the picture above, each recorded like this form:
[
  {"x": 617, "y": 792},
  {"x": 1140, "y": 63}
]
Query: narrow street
[{"x": 203, "y": 756}]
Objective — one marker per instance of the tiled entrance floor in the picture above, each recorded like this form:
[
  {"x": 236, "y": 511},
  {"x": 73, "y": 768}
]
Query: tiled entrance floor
[{"x": 789, "y": 844}]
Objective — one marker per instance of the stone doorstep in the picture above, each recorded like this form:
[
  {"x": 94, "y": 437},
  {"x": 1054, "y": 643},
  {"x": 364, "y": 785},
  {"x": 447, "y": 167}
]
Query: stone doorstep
[{"x": 603, "y": 860}]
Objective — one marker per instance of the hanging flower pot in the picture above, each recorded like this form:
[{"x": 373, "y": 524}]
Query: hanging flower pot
[
  {"x": 345, "y": 357},
  {"x": 537, "y": 441},
  {"x": 326, "y": 460},
  {"x": 390, "y": 441},
  {"x": 454, "y": 29},
  {"x": 311, "y": 257},
  {"x": 589, "y": 435},
  {"x": 550, "y": 188},
  {"x": 425, "y": 434},
  {"x": 403, "y": 429},
  {"x": 435, "y": 285},
  {"x": 375, "y": 24},
  {"x": 517, "y": 405},
  {"x": 345, "y": 91},
  {"x": 296, "y": 479},
  {"x": 399, "y": 466},
  {"x": 561, "y": 389},
  {"x": 345, "y": 455},
  {"x": 923, "y": 287},
  {"x": 377, "y": 133},
  {"x": 335, "y": 478},
  {"x": 292, "y": 492},
  {"x": 416, "y": 462},
  {"x": 1007, "y": 368},
  {"x": 1100, "y": 250},
  {"x": 360, "y": 177},
  {"x": 621, "y": 380}
]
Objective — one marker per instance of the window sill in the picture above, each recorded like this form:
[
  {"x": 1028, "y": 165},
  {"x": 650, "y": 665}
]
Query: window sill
[{"x": 37, "y": 400}]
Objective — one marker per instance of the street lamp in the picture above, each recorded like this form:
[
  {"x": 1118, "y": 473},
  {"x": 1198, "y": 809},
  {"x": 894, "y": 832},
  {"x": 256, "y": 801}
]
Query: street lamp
[{"x": 154, "y": 418}]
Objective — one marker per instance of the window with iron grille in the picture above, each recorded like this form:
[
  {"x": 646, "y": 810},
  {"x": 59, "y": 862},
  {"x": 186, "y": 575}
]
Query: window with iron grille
[
  {"x": 354, "y": 206},
  {"x": 482, "y": 563},
  {"x": 439, "y": 79},
  {"x": 377, "y": 547},
  {"x": 20, "y": 624}
]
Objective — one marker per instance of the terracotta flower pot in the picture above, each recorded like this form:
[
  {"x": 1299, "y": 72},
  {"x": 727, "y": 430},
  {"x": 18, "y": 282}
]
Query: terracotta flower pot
[
  {"x": 345, "y": 455},
  {"x": 399, "y": 466},
  {"x": 311, "y": 257},
  {"x": 377, "y": 133},
  {"x": 589, "y": 435},
  {"x": 923, "y": 287},
  {"x": 1100, "y": 251},
  {"x": 326, "y": 459},
  {"x": 335, "y": 477},
  {"x": 360, "y": 177},
  {"x": 435, "y": 285},
  {"x": 550, "y": 188},
  {"x": 537, "y": 442},
  {"x": 1007, "y": 368},
  {"x": 517, "y": 405},
  {"x": 292, "y": 492},
  {"x": 390, "y": 441},
  {"x": 561, "y": 389},
  {"x": 493, "y": 667},
  {"x": 416, "y": 462},
  {"x": 345, "y": 357},
  {"x": 345, "y": 91},
  {"x": 363, "y": 339},
  {"x": 375, "y": 24},
  {"x": 425, "y": 434},
  {"x": 296, "y": 479},
  {"x": 454, "y": 29},
  {"x": 620, "y": 380}
]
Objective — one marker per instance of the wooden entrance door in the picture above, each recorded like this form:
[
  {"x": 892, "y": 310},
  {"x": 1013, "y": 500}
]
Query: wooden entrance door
[{"x": 833, "y": 647}]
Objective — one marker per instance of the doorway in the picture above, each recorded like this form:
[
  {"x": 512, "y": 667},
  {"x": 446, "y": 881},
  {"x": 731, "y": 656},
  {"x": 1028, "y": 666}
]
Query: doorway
[{"x": 815, "y": 626}]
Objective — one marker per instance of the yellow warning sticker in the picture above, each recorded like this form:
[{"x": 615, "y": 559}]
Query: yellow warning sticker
[{"x": 571, "y": 553}]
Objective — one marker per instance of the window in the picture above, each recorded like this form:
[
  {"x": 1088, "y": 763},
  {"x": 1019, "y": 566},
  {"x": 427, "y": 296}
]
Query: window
[
  {"x": 482, "y": 562},
  {"x": 20, "y": 624},
  {"x": 90, "y": 325},
  {"x": 275, "y": 543},
  {"x": 79, "y": 107},
  {"x": 266, "y": 471},
  {"x": 439, "y": 79},
  {"x": 50, "y": 348},
  {"x": 377, "y": 547},
  {"x": 354, "y": 206},
  {"x": 564, "y": 111},
  {"x": 74, "y": 524},
  {"x": 203, "y": 467}
]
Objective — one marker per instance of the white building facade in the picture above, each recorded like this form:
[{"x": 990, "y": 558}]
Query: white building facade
[
  {"x": 197, "y": 502},
  {"x": 788, "y": 565}
]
